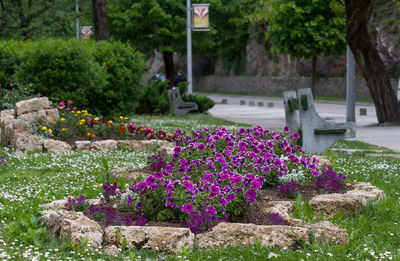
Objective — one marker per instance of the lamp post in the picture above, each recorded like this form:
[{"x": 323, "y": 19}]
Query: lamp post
[
  {"x": 189, "y": 46},
  {"x": 350, "y": 89},
  {"x": 77, "y": 31}
]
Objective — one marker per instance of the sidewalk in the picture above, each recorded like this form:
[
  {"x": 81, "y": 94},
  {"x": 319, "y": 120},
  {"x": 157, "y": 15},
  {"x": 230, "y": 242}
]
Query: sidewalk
[{"x": 274, "y": 117}]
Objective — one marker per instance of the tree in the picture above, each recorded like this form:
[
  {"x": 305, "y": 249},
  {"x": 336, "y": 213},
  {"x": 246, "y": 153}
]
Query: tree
[
  {"x": 150, "y": 25},
  {"x": 100, "y": 20},
  {"x": 305, "y": 29},
  {"x": 358, "y": 13},
  {"x": 17, "y": 16}
]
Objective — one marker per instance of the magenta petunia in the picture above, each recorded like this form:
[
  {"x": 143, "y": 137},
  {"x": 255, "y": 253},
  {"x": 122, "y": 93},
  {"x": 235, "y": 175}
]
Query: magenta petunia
[
  {"x": 211, "y": 210},
  {"x": 286, "y": 128},
  {"x": 214, "y": 189},
  {"x": 231, "y": 197},
  {"x": 188, "y": 208},
  {"x": 251, "y": 195}
]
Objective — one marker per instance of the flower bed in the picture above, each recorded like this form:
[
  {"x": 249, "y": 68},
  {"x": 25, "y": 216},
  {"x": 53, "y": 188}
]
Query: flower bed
[
  {"x": 214, "y": 177},
  {"x": 34, "y": 126}
]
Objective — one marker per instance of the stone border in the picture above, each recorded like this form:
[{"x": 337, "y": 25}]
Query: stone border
[
  {"x": 14, "y": 126},
  {"x": 73, "y": 225}
]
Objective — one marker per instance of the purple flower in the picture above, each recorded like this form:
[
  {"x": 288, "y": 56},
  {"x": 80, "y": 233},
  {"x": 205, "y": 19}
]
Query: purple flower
[
  {"x": 140, "y": 221},
  {"x": 274, "y": 218},
  {"x": 251, "y": 195},
  {"x": 188, "y": 208},
  {"x": 294, "y": 135},
  {"x": 211, "y": 210},
  {"x": 286, "y": 128},
  {"x": 214, "y": 189},
  {"x": 178, "y": 132},
  {"x": 231, "y": 197}
]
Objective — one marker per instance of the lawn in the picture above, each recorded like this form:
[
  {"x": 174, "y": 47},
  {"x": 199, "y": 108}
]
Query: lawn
[{"x": 38, "y": 178}]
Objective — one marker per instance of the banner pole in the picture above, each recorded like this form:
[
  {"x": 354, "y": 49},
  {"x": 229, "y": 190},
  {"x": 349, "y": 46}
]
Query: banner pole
[{"x": 189, "y": 46}]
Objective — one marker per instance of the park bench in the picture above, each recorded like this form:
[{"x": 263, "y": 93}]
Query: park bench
[
  {"x": 179, "y": 106},
  {"x": 317, "y": 134}
]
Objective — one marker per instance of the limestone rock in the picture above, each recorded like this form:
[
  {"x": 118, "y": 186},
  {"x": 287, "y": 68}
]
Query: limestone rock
[
  {"x": 20, "y": 126},
  {"x": 24, "y": 142},
  {"x": 284, "y": 208},
  {"x": 31, "y": 105},
  {"x": 144, "y": 144},
  {"x": 324, "y": 162},
  {"x": 63, "y": 224},
  {"x": 49, "y": 116},
  {"x": 331, "y": 232},
  {"x": 231, "y": 234},
  {"x": 60, "y": 204},
  {"x": 130, "y": 176},
  {"x": 168, "y": 239},
  {"x": 56, "y": 145},
  {"x": 283, "y": 237},
  {"x": 112, "y": 250},
  {"x": 349, "y": 203},
  {"x": 6, "y": 116},
  {"x": 7, "y": 134},
  {"x": 104, "y": 145},
  {"x": 83, "y": 145}
]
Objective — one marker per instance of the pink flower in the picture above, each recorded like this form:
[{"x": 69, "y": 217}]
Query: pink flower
[
  {"x": 188, "y": 208},
  {"x": 62, "y": 104},
  {"x": 46, "y": 111},
  {"x": 69, "y": 102}
]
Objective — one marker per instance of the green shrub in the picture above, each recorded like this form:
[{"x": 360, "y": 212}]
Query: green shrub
[
  {"x": 17, "y": 92},
  {"x": 154, "y": 98},
  {"x": 203, "y": 102},
  {"x": 102, "y": 77}
]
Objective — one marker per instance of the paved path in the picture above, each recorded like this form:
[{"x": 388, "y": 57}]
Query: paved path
[{"x": 274, "y": 117}]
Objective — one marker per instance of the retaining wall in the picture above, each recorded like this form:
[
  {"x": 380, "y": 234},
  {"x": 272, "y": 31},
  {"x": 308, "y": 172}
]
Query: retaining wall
[{"x": 331, "y": 87}]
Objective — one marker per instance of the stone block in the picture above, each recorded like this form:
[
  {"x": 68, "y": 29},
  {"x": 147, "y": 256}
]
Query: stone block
[
  {"x": 31, "y": 105},
  {"x": 83, "y": 145},
  {"x": 56, "y": 145},
  {"x": 104, "y": 145},
  {"x": 24, "y": 142},
  {"x": 165, "y": 239},
  {"x": 6, "y": 116},
  {"x": 49, "y": 116},
  {"x": 73, "y": 225}
]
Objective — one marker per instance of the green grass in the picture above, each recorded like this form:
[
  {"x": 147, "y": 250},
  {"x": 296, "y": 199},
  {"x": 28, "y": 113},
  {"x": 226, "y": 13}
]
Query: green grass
[
  {"x": 322, "y": 98},
  {"x": 38, "y": 178},
  {"x": 358, "y": 145}
]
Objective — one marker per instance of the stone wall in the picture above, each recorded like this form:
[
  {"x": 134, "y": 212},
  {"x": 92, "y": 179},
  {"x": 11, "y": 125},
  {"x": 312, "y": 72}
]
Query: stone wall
[{"x": 331, "y": 87}]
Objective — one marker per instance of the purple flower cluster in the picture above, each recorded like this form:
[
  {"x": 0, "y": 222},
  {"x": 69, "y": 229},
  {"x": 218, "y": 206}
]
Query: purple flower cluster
[
  {"x": 76, "y": 204},
  {"x": 109, "y": 190},
  {"x": 109, "y": 216},
  {"x": 156, "y": 162},
  {"x": 274, "y": 218},
  {"x": 330, "y": 181},
  {"x": 222, "y": 169},
  {"x": 200, "y": 221},
  {"x": 140, "y": 221},
  {"x": 291, "y": 189}
]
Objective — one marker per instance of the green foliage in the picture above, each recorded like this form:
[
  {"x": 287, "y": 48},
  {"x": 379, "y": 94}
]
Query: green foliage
[
  {"x": 154, "y": 98},
  {"x": 17, "y": 92},
  {"x": 306, "y": 28},
  {"x": 203, "y": 102},
  {"x": 102, "y": 77}
]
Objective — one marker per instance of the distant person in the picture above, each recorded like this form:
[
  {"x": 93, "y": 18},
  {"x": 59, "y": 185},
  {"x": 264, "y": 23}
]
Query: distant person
[{"x": 179, "y": 77}]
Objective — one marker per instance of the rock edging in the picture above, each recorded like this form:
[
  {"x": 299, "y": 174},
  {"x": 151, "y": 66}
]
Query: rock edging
[{"x": 170, "y": 239}]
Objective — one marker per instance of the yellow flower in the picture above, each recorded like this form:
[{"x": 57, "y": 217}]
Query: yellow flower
[
  {"x": 61, "y": 107},
  {"x": 80, "y": 123},
  {"x": 72, "y": 111},
  {"x": 79, "y": 112},
  {"x": 63, "y": 129},
  {"x": 50, "y": 130},
  {"x": 82, "y": 120},
  {"x": 121, "y": 117},
  {"x": 62, "y": 114},
  {"x": 44, "y": 128},
  {"x": 96, "y": 119},
  {"x": 75, "y": 114},
  {"x": 62, "y": 119},
  {"x": 125, "y": 118}
]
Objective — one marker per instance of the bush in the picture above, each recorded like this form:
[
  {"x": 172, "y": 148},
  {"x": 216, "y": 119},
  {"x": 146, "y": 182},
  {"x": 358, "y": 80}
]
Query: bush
[
  {"x": 203, "y": 102},
  {"x": 16, "y": 93},
  {"x": 154, "y": 98},
  {"x": 102, "y": 77}
]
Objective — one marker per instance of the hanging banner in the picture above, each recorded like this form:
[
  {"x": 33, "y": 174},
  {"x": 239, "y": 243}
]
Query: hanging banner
[
  {"x": 86, "y": 31},
  {"x": 201, "y": 17}
]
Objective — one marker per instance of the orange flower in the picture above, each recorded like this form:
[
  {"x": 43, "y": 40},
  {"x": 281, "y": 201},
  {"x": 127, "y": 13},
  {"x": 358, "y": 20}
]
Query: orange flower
[
  {"x": 93, "y": 135},
  {"x": 88, "y": 134}
]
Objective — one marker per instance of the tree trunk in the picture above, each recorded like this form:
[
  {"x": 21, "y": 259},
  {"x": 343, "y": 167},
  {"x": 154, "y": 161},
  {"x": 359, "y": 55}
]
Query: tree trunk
[
  {"x": 100, "y": 20},
  {"x": 169, "y": 66},
  {"x": 358, "y": 13},
  {"x": 314, "y": 76}
]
